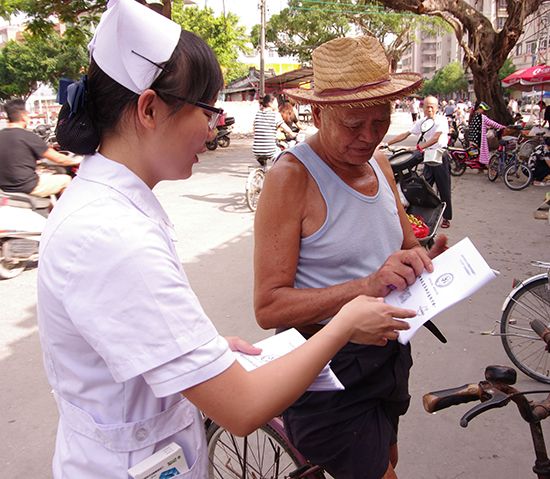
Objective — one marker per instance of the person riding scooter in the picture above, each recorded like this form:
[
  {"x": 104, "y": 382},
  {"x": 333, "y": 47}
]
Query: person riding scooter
[{"x": 19, "y": 152}]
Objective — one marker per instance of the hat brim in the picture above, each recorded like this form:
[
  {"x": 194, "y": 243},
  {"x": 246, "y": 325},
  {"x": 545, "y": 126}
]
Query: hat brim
[{"x": 399, "y": 86}]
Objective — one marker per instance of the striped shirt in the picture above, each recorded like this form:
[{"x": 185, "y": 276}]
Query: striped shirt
[{"x": 265, "y": 128}]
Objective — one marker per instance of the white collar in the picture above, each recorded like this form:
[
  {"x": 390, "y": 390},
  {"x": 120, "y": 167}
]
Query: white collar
[{"x": 100, "y": 169}]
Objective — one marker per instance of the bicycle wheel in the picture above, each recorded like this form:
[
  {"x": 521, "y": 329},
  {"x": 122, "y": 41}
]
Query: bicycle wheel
[
  {"x": 457, "y": 167},
  {"x": 522, "y": 345},
  {"x": 526, "y": 148},
  {"x": 262, "y": 454},
  {"x": 492, "y": 167},
  {"x": 254, "y": 184},
  {"x": 517, "y": 176}
]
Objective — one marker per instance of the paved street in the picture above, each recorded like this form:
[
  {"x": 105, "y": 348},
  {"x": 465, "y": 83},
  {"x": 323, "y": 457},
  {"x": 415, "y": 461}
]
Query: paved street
[{"x": 215, "y": 243}]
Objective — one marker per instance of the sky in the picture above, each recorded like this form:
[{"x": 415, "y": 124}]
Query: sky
[{"x": 247, "y": 10}]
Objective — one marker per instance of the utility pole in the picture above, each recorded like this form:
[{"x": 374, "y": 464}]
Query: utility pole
[{"x": 262, "y": 47}]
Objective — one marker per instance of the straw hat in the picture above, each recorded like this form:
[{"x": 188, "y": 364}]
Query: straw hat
[{"x": 354, "y": 72}]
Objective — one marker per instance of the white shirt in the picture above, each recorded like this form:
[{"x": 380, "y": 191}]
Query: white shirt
[
  {"x": 121, "y": 329},
  {"x": 440, "y": 126}
]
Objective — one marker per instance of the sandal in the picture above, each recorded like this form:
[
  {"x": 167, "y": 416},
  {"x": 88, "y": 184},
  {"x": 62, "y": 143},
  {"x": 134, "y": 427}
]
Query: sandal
[{"x": 445, "y": 223}]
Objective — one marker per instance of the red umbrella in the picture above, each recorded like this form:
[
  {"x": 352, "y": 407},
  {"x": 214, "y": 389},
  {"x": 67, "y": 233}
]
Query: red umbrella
[{"x": 526, "y": 79}]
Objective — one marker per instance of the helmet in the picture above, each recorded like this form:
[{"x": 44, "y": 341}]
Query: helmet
[{"x": 484, "y": 106}]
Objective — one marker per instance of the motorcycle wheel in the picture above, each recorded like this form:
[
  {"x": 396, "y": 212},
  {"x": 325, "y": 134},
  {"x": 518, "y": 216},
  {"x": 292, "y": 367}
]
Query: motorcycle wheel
[
  {"x": 212, "y": 145},
  {"x": 224, "y": 141},
  {"x": 457, "y": 167}
]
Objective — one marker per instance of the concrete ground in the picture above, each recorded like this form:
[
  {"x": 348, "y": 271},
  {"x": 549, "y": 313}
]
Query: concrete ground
[{"x": 215, "y": 243}]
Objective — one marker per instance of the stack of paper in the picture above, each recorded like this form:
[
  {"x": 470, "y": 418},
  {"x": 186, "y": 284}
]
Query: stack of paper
[
  {"x": 280, "y": 344},
  {"x": 458, "y": 273}
]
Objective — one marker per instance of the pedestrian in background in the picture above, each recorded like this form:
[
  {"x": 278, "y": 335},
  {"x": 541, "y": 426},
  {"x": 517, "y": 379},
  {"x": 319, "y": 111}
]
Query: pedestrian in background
[
  {"x": 432, "y": 142},
  {"x": 414, "y": 108},
  {"x": 477, "y": 129}
]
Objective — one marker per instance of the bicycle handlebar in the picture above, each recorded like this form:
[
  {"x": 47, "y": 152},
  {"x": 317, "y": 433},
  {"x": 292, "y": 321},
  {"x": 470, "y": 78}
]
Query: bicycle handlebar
[
  {"x": 493, "y": 393},
  {"x": 437, "y": 400}
]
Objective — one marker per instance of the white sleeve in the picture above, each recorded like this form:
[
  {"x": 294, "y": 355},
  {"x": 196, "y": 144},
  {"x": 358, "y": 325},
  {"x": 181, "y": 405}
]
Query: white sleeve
[{"x": 195, "y": 367}]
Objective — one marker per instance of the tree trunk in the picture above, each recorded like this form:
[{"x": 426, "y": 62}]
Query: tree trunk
[
  {"x": 487, "y": 88},
  {"x": 167, "y": 9}
]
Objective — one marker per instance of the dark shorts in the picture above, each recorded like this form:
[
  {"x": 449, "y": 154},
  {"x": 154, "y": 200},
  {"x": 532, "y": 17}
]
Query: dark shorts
[{"x": 350, "y": 432}]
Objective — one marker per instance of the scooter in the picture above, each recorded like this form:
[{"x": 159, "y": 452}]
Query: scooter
[
  {"x": 418, "y": 197},
  {"x": 222, "y": 139},
  {"x": 22, "y": 220}
]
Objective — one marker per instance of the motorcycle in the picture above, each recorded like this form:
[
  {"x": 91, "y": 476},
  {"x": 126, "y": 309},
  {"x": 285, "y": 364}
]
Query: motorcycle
[
  {"x": 223, "y": 130},
  {"x": 22, "y": 220},
  {"x": 457, "y": 132},
  {"x": 419, "y": 198},
  {"x": 422, "y": 204}
]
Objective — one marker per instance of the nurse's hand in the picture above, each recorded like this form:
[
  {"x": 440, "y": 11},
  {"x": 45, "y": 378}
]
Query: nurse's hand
[{"x": 238, "y": 344}]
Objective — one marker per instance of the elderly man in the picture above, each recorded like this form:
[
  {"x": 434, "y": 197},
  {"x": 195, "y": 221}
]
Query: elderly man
[
  {"x": 432, "y": 142},
  {"x": 330, "y": 226}
]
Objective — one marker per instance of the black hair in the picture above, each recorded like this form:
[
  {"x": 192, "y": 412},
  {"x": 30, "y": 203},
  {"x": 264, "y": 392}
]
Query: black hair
[
  {"x": 192, "y": 72},
  {"x": 15, "y": 109},
  {"x": 266, "y": 100}
]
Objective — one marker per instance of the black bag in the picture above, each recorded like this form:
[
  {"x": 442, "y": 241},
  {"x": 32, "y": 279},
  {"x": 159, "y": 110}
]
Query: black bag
[{"x": 418, "y": 192}]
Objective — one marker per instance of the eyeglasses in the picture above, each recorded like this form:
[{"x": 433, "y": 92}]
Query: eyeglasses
[{"x": 216, "y": 112}]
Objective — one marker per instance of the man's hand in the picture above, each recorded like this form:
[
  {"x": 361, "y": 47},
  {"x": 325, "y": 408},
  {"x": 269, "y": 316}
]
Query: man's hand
[
  {"x": 240, "y": 345},
  {"x": 439, "y": 246},
  {"x": 400, "y": 270}
]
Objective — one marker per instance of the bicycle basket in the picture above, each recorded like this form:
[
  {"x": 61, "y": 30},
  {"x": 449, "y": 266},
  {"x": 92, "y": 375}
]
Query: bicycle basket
[{"x": 510, "y": 142}]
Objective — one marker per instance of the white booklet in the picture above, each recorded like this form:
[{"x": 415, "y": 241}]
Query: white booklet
[
  {"x": 278, "y": 345},
  {"x": 458, "y": 273}
]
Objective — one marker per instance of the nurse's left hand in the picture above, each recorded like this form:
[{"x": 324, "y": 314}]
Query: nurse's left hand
[{"x": 238, "y": 344}]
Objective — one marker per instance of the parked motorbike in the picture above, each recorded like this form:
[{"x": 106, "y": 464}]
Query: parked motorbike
[
  {"x": 22, "y": 219},
  {"x": 224, "y": 127},
  {"x": 47, "y": 133},
  {"x": 457, "y": 132},
  {"x": 419, "y": 198}
]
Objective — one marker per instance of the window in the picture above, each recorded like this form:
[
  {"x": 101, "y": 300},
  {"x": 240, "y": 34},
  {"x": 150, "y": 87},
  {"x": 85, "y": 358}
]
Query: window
[{"x": 518, "y": 48}]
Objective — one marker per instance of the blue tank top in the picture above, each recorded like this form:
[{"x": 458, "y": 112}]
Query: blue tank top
[{"x": 359, "y": 231}]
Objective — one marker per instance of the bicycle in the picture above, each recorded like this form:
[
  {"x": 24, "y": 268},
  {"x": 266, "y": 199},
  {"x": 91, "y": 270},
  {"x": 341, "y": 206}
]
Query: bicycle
[
  {"x": 506, "y": 162},
  {"x": 497, "y": 391},
  {"x": 255, "y": 182},
  {"x": 528, "y": 300},
  {"x": 266, "y": 453},
  {"x": 256, "y": 174}
]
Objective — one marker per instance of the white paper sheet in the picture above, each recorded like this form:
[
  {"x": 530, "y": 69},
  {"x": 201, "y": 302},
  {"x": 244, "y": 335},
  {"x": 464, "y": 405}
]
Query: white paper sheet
[
  {"x": 458, "y": 273},
  {"x": 280, "y": 344}
]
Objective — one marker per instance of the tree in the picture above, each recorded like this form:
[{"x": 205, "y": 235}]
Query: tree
[
  {"x": 449, "y": 79},
  {"x": 222, "y": 33},
  {"x": 485, "y": 49},
  {"x": 36, "y": 59},
  {"x": 304, "y": 25}
]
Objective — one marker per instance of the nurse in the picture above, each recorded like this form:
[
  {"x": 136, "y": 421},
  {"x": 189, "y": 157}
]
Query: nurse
[{"x": 128, "y": 350}]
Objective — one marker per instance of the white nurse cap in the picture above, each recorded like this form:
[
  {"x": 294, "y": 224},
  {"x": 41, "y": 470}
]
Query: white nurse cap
[{"x": 129, "y": 40}]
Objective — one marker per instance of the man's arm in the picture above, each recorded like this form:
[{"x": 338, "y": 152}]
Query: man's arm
[
  {"x": 399, "y": 138},
  {"x": 280, "y": 219},
  {"x": 59, "y": 158}
]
